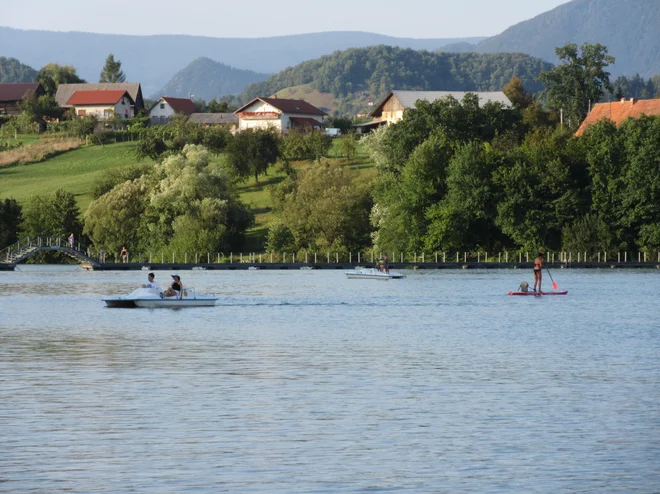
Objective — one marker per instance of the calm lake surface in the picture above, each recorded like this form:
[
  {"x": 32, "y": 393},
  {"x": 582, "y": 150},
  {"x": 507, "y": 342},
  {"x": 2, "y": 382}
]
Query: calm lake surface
[{"x": 307, "y": 382}]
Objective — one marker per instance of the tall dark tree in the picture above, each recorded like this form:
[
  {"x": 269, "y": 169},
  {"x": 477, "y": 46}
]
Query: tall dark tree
[
  {"x": 10, "y": 220},
  {"x": 112, "y": 70},
  {"x": 53, "y": 214},
  {"x": 579, "y": 81}
]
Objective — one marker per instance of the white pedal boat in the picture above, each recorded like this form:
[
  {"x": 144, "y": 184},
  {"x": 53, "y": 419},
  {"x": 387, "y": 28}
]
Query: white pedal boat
[
  {"x": 372, "y": 273},
  {"x": 152, "y": 298}
]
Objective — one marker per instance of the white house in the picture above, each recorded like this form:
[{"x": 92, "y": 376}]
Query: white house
[
  {"x": 280, "y": 114},
  {"x": 102, "y": 104},
  {"x": 165, "y": 108}
]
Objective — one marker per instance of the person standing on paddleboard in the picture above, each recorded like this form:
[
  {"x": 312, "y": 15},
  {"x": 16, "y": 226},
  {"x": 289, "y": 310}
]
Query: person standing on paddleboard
[{"x": 538, "y": 270}]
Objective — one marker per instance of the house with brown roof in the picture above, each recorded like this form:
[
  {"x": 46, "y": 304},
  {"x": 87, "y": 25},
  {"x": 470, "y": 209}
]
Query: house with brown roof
[
  {"x": 165, "y": 108},
  {"x": 228, "y": 120},
  {"x": 280, "y": 114},
  {"x": 103, "y": 104},
  {"x": 65, "y": 91},
  {"x": 618, "y": 111},
  {"x": 13, "y": 93}
]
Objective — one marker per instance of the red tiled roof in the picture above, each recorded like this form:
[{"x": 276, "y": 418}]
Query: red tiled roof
[
  {"x": 98, "y": 97},
  {"x": 181, "y": 105},
  {"x": 295, "y": 106},
  {"x": 618, "y": 111},
  {"x": 306, "y": 122},
  {"x": 16, "y": 91}
]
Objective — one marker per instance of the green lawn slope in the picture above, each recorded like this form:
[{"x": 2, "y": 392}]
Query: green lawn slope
[{"x": 76, "y": 171}]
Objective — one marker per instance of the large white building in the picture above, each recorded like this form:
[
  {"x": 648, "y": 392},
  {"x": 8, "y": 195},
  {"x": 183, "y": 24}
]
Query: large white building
[
  {"x": 280, "y": 114},
  {"x": 102, "y": 104}
]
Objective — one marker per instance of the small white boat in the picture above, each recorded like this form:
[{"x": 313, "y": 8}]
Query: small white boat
[
  {"x": 372, "y": 273},
  {"x": 152, "y": 298}
]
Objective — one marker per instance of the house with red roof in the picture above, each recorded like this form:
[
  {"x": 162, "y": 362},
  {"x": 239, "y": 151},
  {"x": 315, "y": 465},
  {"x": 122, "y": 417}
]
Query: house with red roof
[
  {"x": 12, "y": 95},
  {"x": 165, "y": 108},
  {"x": 280, "y": 114},
  {"x": 618, "y": 111},
  {"x": 103, "y": 104}
]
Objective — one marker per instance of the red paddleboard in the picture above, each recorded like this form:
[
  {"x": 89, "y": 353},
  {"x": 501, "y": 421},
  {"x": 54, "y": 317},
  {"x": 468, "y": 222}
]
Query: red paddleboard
[{"x": 538, "y": 294}]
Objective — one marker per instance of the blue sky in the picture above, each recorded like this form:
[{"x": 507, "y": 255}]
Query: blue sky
[{"x": 260, "y": 18}]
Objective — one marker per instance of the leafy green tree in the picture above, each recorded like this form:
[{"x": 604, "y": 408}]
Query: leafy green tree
[
  {"x": 318, "y": 143},
  {"x": 82, "y": 127},
  {"x": 37, "y": 107},
  {"x": 112, "y": 70},
  {"x": 590, "y": 233},
  {"x": 114, "y": 220},
  {"x": 402, "y": 199},
  {"x": 543, "y": 187},
  {"x": 53, "y": 214},
  {"x": 464, "y": 217},
  {"x": 515, "y": 91},
  {"x": 294, "y": 145},
  {"x": 280, "y": 238},
  {"x": 52, "y": 75},
  {"x": 215, "y": 106},
  {"x": 10, "y": 221},
  {"x": 326, "y": 209},
  {"x": 348, "y": 144},
  {"x": 579, "y": 81},
  {"x": 251, "y": 152}
]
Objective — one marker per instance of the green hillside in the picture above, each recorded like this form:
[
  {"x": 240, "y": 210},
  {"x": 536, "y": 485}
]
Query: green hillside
[
  {"x": 208, "y": 79},
  {"x": 12, "y": 70},
  {"x": 77, "y": 171},
  {"x": 629, "y": 29},
  {"x": 74, "y": 171},
  {"x": 357, "y": 75}
]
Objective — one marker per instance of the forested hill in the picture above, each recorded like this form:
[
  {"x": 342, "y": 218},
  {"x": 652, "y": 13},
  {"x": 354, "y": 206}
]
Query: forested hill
[
  {"x": 629, "y": 29},
  {"x": 208, "y": 79},
  {"x": 11, "y": 70},
  {"x": 379, "y": 69}
]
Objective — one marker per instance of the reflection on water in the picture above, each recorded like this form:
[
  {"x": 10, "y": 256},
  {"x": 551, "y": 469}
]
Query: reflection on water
[{"x": 309, "y": 382}]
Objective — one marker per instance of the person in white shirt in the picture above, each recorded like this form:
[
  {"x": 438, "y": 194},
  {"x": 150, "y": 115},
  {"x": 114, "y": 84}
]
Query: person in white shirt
[{"x": 151, "y": 283}]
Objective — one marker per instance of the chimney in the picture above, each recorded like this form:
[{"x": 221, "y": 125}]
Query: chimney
[
  {"x": 623, "y": 100},
  {"x": 632, "y": 101}
]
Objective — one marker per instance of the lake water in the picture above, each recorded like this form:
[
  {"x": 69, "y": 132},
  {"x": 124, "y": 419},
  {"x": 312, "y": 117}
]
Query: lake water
[{"x": 307, "y": 382}]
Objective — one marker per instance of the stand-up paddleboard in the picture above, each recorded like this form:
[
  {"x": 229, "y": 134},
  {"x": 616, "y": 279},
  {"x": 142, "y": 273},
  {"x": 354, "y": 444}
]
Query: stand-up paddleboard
[{"x": 538, "y": 294}]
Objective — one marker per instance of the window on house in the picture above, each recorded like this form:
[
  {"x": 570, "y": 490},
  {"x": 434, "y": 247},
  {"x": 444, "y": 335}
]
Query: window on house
[
  {"x": 162, "y": 106},
  {"x": 82, "y": 113}
]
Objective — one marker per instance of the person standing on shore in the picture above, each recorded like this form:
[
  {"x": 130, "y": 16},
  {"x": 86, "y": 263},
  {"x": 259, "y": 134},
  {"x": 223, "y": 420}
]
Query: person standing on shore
[
  {"x": 71, "y": 240},
  {"x": 538, "y": 271},
  {"x": 123, "y": 254}
]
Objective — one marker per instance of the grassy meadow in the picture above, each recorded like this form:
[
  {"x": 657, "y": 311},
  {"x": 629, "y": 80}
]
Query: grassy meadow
[{"x": 77, "y": 170}]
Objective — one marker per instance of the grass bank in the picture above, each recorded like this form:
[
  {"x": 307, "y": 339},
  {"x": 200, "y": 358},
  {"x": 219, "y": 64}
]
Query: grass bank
[
  {"x": 77, "y": 170},
  {"x": 74, "y": 171}
]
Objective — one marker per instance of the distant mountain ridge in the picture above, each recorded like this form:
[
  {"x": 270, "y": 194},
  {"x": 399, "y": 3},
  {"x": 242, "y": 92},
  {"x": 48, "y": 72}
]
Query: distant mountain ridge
[
  {"x": 207, "y": 79},
  {"x": 153, "y": 60},
  {"x": 629, "y": 29}
]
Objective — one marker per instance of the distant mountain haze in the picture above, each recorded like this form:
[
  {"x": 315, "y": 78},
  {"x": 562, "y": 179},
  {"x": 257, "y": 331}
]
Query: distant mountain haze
[
  {"x": 207, "y": 79},
  {"x": 153, "y": 60},
  {"x": 629, "y": 29}
]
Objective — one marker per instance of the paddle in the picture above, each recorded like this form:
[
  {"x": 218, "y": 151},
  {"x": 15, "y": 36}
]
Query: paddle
[{"x": 554, "y": 285}]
